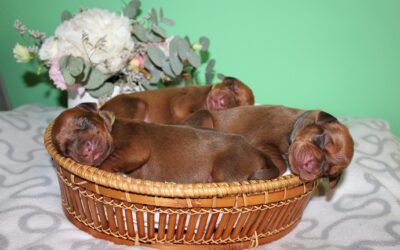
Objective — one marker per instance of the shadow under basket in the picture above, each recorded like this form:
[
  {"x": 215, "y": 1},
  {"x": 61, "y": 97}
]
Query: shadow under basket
[{"x": 235, "y": 215}]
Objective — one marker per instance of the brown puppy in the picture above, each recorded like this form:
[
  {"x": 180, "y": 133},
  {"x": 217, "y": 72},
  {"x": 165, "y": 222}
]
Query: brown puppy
[
  {"x": 313, "y": 143},
  {"x": 154, "y": 151},
  {"x": 174, "y": 105}
]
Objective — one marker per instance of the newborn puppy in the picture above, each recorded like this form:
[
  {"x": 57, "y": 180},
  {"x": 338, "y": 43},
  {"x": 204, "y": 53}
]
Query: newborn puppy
[
  {"x": 312, "y": 143},
  {"x": 156, "y": 152},
  {"x": 174, "y": 105}
]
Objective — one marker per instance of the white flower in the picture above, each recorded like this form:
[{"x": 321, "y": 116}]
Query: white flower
[
  {"x": 49, "y": 49},
  {"x": 80, "y": 34},
  {"x": 22, "y": 54}
]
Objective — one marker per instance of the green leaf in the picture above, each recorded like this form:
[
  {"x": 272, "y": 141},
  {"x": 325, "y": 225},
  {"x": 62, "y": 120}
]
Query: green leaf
[
  {"x": 66, "y": 15},
  {"x": 158, "y": 30},
  {"x": 96, "y": 79},
  {"x": 210, "y": 65},
  {"x": 167, "y": 21},
  {"x": 205, "y": 43},
  {"x": 155, "y": 76},
  {"x": 153, "y": 37},
  {"x": 156, "y": 55},
  {"x": 173, "y": 47},
  {"x": 104, "y": 90},
  {"x": 68, "y": 78},
  {"x": 75, "y": 65},
  {"x": 153, "y": 16},
  {"x": 131, "y": 10},
  {"x": 220, "y": 76},
  {"x": 167, "y": 69},
  {"x": 176, "y": 64},
  {"x": 140, "y": 32},
  {"x": 209, "y": 77},
  {"x": 86, "y": 71},
  {"x": 154, "y": 72},
  {"x": 193, "y": 59},
  {"x": 183, "y": 48}
]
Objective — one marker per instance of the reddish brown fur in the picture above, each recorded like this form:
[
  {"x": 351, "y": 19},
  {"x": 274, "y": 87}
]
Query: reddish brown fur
[
  {"x": 174, "y": 105},
  {"x": 157, "y": 152},
  {"x": 322, "y": 146}
]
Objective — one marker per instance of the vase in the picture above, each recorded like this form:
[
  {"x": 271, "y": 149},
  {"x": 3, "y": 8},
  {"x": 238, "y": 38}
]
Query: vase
[{"x": 77, "y": 95}]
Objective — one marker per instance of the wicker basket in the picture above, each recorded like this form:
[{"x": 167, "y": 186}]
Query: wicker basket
[{"x": 168, "y": 215}]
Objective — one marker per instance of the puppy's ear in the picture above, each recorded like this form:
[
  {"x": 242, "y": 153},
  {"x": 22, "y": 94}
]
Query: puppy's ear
[
  {"x": 89, "y": 106},
  {"x": 334, "y": 180},
  {"x": 201, "y": 118},
  {"x": 108, "y": 118},
  {"x": 324, "y": 117},
  {"x": 228, "y": 79}
]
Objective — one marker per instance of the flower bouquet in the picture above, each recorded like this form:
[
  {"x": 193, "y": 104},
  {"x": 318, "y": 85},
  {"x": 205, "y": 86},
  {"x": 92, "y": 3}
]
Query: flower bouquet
[{"x": 97, "y": 51}]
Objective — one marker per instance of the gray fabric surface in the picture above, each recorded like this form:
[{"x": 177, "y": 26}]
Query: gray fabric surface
[{"x": 363, "y": 213}]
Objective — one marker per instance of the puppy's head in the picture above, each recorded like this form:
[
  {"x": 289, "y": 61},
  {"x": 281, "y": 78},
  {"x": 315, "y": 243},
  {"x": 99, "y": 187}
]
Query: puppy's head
[
  {"x": 321, "y": 147},
  {"x": 228, "y": 94},
  {"x": 83, "y": 133}
]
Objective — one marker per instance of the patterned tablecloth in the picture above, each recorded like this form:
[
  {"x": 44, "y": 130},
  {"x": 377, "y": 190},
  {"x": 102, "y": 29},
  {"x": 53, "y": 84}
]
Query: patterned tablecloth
[{"x": 363, "y": 213}]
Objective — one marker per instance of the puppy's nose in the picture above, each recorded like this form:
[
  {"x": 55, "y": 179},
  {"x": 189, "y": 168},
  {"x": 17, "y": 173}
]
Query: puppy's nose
[{"x": 88, "y": 148}]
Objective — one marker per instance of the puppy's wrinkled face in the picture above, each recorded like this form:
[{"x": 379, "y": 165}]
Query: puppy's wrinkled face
[
  {"x": 323, "y": 147},
  {"x": 83, "y": 133},
  {"x": 228, "y": 94}
]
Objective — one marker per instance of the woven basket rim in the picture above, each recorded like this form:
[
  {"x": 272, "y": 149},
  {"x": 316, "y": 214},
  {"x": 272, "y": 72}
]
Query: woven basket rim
[{"x": 167, "y": 189}]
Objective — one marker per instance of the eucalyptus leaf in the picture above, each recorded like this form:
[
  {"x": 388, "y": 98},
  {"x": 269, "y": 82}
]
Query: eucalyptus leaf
[
  {"x": 210, "y": 65},
  {"x": 66, "y": 15},
  {"x": 173, "y": 46},
  {"x": 176, "y": 64},
  {"x": 167, "y": 21},
  {"x": 154, "y": 72},
  {"x": 156, "y": 55},
  {"x": 131, "y": 10},
  {"x": 187, "y": 39},
  {"x": 161, "y": 13},
  {"x": 140, "y": 32},
  {"x": 95, "y": 79},
  {"x": 152, "y": 37},
  {"x": 167, "y": 69},
  {"x": 63, "y": 61},
  {"x": 193, "y": 59},
  {"x": 209, "y": 77},
  {"x": 143, "y": 81},
  {"x": 205, "y": 43},
  {"x": 68, "y": 78},
  {"x": 104, "y": 90},
  {"x": 148, "y": 65},
  {"x": 153, "y": 16},
  {"x": 86, "y": 71},
  {"x": 149, "y": 86},
  {"x": 155, "y": 76},
  {"x": 220, "y": 76},
  {"x": 75, "y": 65},
  {"x": 183, "y": 48},
  {"x": 158, "y": 30}
]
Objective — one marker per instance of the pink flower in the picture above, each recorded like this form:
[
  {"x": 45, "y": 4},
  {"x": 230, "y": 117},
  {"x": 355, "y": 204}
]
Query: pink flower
[
  {"x": 56, "y": 75},
  {"x": 137, "y": 62}
]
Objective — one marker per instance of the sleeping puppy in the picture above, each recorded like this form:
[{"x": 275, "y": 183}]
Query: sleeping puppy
[
  {"x": 312, "y": 143},
  {"x": 156, "y": 152},
  {"x": 174, "y": 105}
]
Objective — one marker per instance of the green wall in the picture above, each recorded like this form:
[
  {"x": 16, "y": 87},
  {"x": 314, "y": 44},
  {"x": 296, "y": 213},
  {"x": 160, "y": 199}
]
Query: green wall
[{"x": 342, "y": 56}]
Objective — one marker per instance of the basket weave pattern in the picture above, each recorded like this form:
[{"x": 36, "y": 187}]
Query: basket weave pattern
[{"x": 218, "y": 215}]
